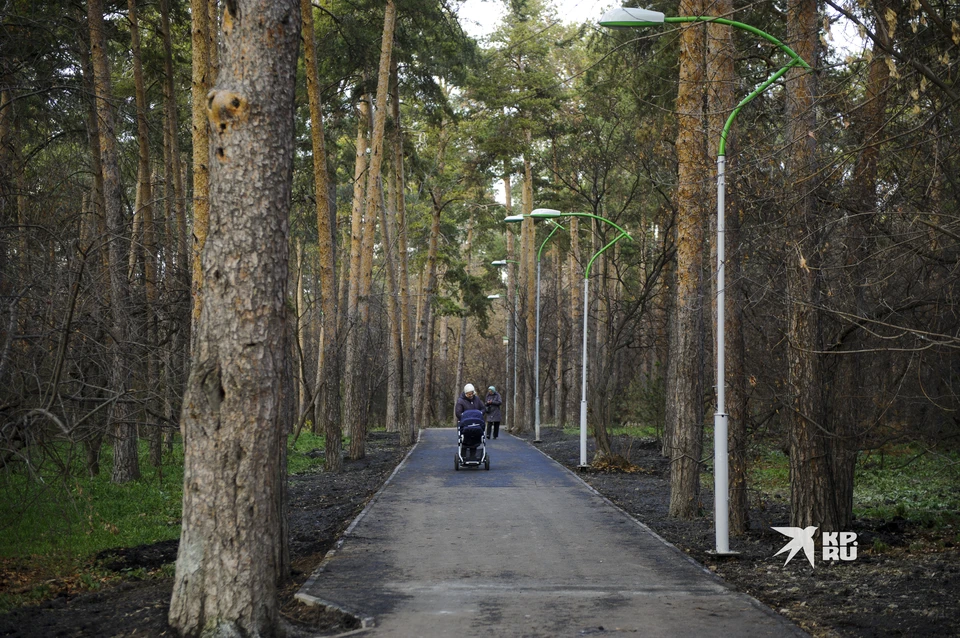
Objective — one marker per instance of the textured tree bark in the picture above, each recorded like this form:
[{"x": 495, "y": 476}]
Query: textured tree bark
[
  {"x": 687, "y": 339},
  {"x": 352, "y": 327},
  {"x": 177, "y": 272},
  {"x": 421, "y": 390},
  {"x": 721, "y": 101},
  {"x": 201, "y": 83},
  {"x": 126, "y": 465},
  {"x": 529, "y": 258},
  {"x": 326, "y": 409},
  {"x": 231, "y": 551},
  {"x": 562, "y": 385},
  {"x": 812, "y": 494}
]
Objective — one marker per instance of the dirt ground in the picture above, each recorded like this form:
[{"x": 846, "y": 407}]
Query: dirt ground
[{"x": 911, "y": 588}]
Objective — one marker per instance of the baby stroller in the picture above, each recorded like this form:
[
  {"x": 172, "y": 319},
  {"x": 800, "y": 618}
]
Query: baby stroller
[{"x": 471, "y": 449}]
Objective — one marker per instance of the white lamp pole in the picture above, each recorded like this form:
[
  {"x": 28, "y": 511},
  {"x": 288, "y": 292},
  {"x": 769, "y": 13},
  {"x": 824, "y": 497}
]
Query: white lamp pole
[
  {"x": 626, "y": 18},
  {"x": 549, "y": 213}
]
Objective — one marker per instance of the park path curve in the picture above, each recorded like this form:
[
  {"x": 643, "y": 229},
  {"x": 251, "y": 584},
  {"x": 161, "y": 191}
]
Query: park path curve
[{"x": 524, "y": 549}]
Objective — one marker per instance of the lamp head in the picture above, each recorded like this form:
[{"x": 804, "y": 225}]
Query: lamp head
[
  {"x": 493, "y": 296},
  {"x": 627, "y": 18},
  {"x": 499, "y": 262},
  {"x": 545, "y": 213},
  {"x": 513, "y": 219}
]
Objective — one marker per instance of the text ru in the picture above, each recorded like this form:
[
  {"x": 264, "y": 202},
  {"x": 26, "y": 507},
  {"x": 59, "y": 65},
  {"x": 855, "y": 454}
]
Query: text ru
[{"x": 839, "y": 546}]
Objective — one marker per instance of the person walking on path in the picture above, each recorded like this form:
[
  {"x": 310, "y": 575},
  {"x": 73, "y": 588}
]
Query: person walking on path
[
  {"x": 493, "y": 402},
  {"x": 468, "y": 401}
]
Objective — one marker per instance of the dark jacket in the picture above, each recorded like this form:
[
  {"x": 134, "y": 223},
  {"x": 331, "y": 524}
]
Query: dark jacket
[
  {"x": 493, "y": 402},
  {"x": 463, "y": 403}
]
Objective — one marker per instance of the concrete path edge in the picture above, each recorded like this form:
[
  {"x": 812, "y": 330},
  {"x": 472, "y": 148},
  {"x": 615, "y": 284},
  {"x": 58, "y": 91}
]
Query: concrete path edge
[
  {"x": 797, "y": 631},
  {"x": 302, "y": 596}
]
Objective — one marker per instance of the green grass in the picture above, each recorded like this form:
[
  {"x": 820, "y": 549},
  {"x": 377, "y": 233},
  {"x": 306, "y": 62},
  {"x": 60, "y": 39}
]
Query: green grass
[
  {"x": 920, "y": 487},
  {"x": 53, "y": 524},
  {"x": 58, "y": 514},
  {"x": 297, "y": 460}
]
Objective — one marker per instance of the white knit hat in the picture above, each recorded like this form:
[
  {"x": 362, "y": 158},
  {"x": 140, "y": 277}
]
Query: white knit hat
[{"x": 468, "y": 388}]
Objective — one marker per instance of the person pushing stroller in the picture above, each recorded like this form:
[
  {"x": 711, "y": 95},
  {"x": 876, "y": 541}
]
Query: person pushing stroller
[
  {"x": 468, "y": 400},
  {"x": 471, "y": 451}
]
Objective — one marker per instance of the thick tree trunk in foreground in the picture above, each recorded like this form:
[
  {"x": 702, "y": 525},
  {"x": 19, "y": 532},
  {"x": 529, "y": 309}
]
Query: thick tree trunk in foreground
[
  {"x": 231, "y": 549},
  {"x": 687, "y": 339}
]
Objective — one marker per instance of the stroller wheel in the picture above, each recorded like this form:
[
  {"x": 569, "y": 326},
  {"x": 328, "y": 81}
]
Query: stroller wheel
[
  {"x": 456, "y": 463},
  {"x": 486, "y": 463}
]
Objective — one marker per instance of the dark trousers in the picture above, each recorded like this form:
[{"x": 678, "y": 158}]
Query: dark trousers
[{"x": 495, "y": 427}]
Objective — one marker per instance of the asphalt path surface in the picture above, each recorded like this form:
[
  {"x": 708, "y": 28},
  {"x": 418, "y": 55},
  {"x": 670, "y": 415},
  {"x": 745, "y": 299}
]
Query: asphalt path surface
[{"x": 524, "y": 549}]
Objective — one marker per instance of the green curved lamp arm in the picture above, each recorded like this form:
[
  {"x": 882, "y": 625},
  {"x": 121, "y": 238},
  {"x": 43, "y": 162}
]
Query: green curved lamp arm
[
  {"x": 540, "y": 250},
  {"x": 586, "y": 272},
  {"x": 795, "y": 60}
]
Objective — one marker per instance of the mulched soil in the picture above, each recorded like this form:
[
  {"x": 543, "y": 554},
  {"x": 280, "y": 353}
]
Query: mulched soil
[{"x": 910, "y": 588}]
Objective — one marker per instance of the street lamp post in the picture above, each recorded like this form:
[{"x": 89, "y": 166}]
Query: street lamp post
[
  {"x": 549, "y": 213},
  {"x": 536, "y": 360},
  {"x": 626, "y": 18},
  {"x": 512, "y": 304}
]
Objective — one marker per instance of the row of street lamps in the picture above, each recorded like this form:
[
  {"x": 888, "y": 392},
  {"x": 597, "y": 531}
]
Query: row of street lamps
[{"x": 623, "y": 18}]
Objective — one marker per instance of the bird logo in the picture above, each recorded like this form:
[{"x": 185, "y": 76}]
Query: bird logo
[{"x": 801, "y": 538}]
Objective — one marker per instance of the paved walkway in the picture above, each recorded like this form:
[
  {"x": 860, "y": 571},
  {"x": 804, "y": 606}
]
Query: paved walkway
[{"x": 524, "y": 549}]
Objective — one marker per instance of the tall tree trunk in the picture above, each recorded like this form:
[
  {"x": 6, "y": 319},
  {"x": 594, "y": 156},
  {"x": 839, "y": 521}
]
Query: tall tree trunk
[
  {"x": 126, "y": 465},
  {"x": 687, "y": 350},
  {"x": 560, "y": 395},
  {"x": 231, "y": 550},
  {"x": 510, "y": 384},
  {"x": 576, "y": 312},
  {"x": 327, "y": 406},
  {"x": 847, "y": 419},
  {"x": 201, "y": 82},
  {"x": 812, "y": 494},
  {"x": 388, "y": 230},
  {"x": 145, "y": 195},
  {"x": 425, "y": 327},
  {"x": 721, "y": 101},
  {"x": 529, "y": 259},
  {"x": 353, "y": 327},
  {"x": 373, "y": 202},
  {"x": 406, "y": 425}
]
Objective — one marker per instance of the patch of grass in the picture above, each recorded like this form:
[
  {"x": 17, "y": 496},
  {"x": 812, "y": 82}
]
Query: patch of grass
[
  {"x": 303, "y": 456},
  {"x": 635, "y": 430},
  {"x": 770, "y": 473},
  {"x": 65, "y": 513},
  {"x": 920, "y": 487},
  {"x": 55, "y": 521},
  {"x": 911, "y": 483}
]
